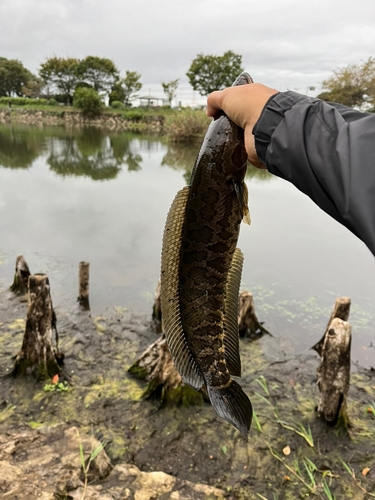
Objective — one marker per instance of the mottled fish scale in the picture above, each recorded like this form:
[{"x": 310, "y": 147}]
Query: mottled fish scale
[{"x": 201, "y": 271}]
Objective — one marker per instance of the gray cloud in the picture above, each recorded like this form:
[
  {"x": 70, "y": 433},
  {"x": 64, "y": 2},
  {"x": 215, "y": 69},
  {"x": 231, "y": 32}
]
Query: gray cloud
[{"x": 285, "y": 44}]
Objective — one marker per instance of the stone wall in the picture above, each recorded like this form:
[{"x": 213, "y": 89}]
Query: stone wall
[{"x": 70, "y": 118}]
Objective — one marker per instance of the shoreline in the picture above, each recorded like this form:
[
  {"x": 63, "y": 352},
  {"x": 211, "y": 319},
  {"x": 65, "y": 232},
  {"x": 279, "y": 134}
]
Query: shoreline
[
  {"x": 183, "y": 443},
  {"x": 110, "y": 121}
]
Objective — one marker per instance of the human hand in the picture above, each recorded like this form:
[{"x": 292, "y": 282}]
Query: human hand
[{"x": 243, "y": 105}]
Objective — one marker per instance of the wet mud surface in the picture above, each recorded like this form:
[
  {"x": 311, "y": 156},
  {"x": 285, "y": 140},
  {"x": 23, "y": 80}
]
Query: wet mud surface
[{"x": 191, "y": 442}]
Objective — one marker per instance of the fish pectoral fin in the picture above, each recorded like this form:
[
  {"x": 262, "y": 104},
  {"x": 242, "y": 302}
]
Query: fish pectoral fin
[
  {"x": 242, "y": 196},
  {"x": 170, "y": 301},
  {"x": 232, "y": 290},
  {"x": 245, "y": 206}
]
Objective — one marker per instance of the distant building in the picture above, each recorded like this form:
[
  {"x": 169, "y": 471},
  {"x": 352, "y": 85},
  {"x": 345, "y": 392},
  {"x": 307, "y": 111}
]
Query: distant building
[{"x": 149, "y": 101}]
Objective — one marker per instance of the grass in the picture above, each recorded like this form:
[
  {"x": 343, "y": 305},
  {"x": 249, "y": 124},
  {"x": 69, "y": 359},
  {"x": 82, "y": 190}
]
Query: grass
[
  {"x": 257, "y": 423},
  {"x": 300, "y": 430},
  {"x": 186, "y": 125},
  {"x": 86, "y": 467},
  {"x": 297, "y": 474},
  {"x": 263, "y": 383},
  {"x": 327, "y": 491},
  {"x": 356, "y": 481}
]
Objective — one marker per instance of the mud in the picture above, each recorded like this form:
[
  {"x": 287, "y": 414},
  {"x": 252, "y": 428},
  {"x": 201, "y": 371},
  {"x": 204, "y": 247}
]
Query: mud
[{"x": 192, "y": 443}]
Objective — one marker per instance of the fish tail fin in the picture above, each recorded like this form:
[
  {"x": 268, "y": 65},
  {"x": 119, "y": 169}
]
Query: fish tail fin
[{"x": 232, "y": 404}]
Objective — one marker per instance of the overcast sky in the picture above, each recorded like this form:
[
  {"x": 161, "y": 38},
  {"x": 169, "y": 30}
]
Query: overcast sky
[{"x": 287, "y": 44}]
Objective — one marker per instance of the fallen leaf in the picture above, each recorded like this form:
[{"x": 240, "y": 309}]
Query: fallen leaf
[
  {"x": 286, "y": 450},
  {"x": 365, "y": 471},
  {"x": 55, "y": 379}
]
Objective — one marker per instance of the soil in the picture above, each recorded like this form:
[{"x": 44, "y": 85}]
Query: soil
[{"x": 188, "y": 442}]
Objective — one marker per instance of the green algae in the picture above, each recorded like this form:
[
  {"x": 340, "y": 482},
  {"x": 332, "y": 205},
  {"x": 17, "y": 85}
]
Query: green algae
[
  {"x": 35, "y": 425},
  {"x": 18, "y": 325},
  {"x": 180, "y": 438}
]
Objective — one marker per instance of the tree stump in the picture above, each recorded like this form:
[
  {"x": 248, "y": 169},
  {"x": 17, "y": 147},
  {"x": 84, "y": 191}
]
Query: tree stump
[
  {"x": 247, "y": 319},
  {"x": 156, "y": 309},
  {"x": 21, "y": 276},
  {"x": 157, "y": 367},
  {"x": 84, "y": 285},
  {"x": 341, "y": 310},
  {"x": 334, "y": 372},
  {"x": 36, "y": 355}
]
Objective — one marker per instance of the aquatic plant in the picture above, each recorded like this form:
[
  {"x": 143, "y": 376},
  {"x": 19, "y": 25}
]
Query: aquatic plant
[{"x": 186, "y": 124}]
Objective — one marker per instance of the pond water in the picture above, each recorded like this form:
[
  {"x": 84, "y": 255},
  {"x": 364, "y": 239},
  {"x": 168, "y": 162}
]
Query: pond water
[{"x": 68, "y": 195}]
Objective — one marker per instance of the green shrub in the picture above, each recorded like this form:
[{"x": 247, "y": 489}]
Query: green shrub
[
  {"x": 52, "y": 102},
  {"x": 89, "y": 101},
  {"x": 117, "y": 105},
  {"x": 134, "y": 115},
  {"x": 24, "y": 101},
  {"x": 186, "y": 124}
]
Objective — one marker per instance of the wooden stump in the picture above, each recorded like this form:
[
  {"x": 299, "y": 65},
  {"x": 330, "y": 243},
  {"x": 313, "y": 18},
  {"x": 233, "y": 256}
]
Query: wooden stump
[
  {"x": 334, "y": 371},
  {"x": 156, "y": 310},
  {"x": 84, "y": 285},
  {"x": 21, "y": 276},
  {"x": 341, "y": 310},
  {"x": 247, "y": 319},
  {"x": 36, "y": 355},
  {"x": 157, "y": 367}
]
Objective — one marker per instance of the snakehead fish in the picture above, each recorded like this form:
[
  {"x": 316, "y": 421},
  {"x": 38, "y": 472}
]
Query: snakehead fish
[{"x": 201, "y": 271}]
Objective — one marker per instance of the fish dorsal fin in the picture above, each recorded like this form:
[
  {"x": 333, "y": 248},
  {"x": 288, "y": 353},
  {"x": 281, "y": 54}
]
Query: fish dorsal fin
[
  {"x": 245, "y": 206},
  {"x": 170, "y": 301},
  {"x": 231, "y": 342}
]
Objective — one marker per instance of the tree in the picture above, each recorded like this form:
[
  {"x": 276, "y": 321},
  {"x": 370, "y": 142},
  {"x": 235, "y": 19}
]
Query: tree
[
  {"x": 89, "y": 101},
  {"x": 33, "y": 88},
  {"x": 13, "y": 77},
  {"x": 131, "y": 85},
  {"x": 170, "y": 89},
  {"x": 209, "y": 73},
  {"x": 99, "y": 72},
  {"x": 124, "y": 90},
  {"x": 62, "y": 73},
  {"x": 352, "y": 86}
]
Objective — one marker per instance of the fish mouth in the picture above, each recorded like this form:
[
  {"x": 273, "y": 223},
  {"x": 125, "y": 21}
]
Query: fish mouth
[{"x": 243, "y": 79}]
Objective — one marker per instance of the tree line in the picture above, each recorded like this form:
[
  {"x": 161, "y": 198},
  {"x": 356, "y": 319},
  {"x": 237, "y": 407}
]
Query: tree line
[{"x": 60, "y": 78}]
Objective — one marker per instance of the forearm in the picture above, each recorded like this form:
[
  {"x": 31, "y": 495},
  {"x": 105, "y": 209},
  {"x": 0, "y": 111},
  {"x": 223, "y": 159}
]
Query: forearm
[{"x": 328, "y": 152}]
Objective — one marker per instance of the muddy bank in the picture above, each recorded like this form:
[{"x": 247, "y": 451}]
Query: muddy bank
[
  {"x": 45, "y": 463},
  {"x": 191, "y": 443},
  {"x": 74, "y": 118}
]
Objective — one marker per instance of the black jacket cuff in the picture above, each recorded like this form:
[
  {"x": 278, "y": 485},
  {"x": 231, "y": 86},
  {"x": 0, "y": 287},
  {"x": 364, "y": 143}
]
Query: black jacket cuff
[{"x": 272, "y": 114}]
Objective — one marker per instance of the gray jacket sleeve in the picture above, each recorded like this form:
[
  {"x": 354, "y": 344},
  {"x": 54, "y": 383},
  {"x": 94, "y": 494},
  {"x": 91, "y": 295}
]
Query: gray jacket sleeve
[{"x": 327, "y": 151}]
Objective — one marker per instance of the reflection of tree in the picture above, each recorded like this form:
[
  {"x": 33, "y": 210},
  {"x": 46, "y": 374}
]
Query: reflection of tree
[
  {"x": 93, "y": 154},
  {"x": 121, "y": 147},
  {"x": 182, "y": 156},
  {"x": 19, "y": 147}
]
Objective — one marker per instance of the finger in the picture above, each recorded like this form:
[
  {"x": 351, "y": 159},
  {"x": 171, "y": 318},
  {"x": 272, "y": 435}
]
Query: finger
[{"x": 214, "y": 103}]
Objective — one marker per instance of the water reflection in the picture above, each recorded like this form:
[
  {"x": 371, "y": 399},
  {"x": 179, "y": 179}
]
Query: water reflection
[
  {"x": 182, "y": 156},
  {"x": 93, "y": 153},
  {"x": 19, "y": 148}
]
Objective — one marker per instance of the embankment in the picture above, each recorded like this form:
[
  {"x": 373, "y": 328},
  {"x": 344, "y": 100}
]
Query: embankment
[{"x": 66, "y": 117}]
